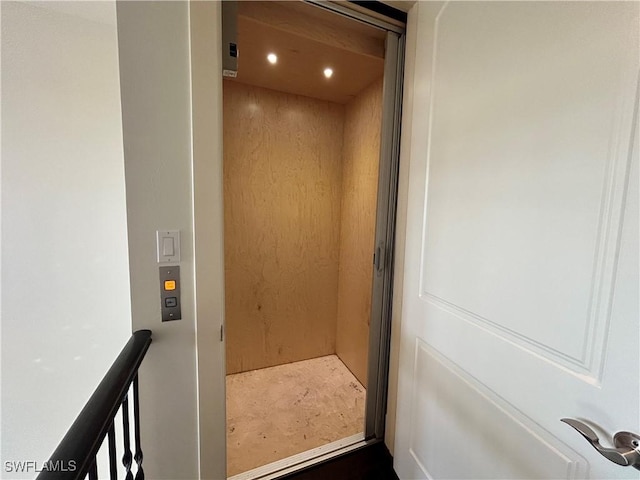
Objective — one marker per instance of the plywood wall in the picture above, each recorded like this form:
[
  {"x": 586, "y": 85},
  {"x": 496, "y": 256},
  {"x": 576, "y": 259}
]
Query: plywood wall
[
  {"x": 358, "y": 216},
  {"x": 282, "y": 194}
]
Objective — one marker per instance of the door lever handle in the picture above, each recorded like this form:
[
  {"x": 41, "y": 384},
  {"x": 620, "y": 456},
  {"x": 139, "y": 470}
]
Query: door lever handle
[{"x": 627, "y": 444}]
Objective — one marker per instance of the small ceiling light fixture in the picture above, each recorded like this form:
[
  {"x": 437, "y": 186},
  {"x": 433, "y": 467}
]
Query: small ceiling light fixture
[
  {"x": 272, "y": 58},
  {"x": 328, "y": 72}
]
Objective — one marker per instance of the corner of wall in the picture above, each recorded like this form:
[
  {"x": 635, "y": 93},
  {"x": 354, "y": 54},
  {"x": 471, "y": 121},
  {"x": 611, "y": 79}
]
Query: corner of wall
[
  {"x": 153, "y": 42},
  {"x": 360, "y": 161},
  {"x": 206, "y": 104}
]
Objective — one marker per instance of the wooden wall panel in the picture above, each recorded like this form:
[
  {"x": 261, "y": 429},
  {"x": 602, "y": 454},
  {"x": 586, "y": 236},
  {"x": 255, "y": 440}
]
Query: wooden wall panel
[
  {"x": 361, "y": 152},
  {"x": 282, "y": 177}
]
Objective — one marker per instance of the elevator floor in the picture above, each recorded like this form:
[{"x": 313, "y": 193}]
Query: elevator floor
[{"x": 280, "y": 411}]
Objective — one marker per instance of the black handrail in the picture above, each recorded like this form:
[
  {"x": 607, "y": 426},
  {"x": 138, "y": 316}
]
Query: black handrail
[{"x": 75, "y": 455}]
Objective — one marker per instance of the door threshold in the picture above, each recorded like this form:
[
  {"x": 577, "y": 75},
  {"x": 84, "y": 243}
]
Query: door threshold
[{"x": 306, "y": 459}]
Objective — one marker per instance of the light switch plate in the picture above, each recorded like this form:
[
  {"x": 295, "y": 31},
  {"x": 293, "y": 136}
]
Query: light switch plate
[{"x": 168, "y": 246}]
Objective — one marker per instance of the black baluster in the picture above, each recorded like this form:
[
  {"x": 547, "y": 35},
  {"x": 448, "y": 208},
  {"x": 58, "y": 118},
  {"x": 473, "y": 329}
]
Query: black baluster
[
  {"x": 127, "y": 458},
  {"x": 136, "y": 422},
  {"x": 93, "y": 470},
  {"x": 113, "y": 469}
]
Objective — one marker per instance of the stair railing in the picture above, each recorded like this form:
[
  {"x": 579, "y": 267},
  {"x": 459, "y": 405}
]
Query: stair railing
[{"x": 75, "y": 456}]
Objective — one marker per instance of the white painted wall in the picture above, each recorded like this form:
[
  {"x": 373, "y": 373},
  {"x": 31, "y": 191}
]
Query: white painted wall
[
  {"x": 156, "y": 98},
  {"x": 65, "y": 283}
]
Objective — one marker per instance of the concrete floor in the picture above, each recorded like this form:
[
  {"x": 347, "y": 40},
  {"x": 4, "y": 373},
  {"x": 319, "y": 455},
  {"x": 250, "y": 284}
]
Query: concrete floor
[{"x": 280, "y": 411}]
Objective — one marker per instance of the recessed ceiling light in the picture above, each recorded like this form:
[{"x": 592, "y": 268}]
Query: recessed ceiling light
[
  {"x": 272, "y": 58},
  {"x": 328, "y": 72}
]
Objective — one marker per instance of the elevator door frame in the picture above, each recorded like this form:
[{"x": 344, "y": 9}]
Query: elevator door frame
[
  {"x": 383, "y": 263},
  {"x": 382, "y": 256}
]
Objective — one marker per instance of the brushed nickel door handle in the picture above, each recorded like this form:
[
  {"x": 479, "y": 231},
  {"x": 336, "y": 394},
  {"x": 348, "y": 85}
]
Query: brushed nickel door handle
[{"x": 626, "y": 451}]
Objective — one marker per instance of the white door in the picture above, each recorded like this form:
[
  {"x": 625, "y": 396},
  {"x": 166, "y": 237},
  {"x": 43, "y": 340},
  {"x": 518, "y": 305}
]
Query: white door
[{"x": 520, "y": 301}]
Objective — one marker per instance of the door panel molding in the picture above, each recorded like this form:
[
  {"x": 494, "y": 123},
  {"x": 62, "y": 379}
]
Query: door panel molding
[
  {"x": 584, "y": 351},
  {"x": 495, "y": 429}
]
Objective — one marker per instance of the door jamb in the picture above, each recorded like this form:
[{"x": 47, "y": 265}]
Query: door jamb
[{"x": 382, "y": 290}]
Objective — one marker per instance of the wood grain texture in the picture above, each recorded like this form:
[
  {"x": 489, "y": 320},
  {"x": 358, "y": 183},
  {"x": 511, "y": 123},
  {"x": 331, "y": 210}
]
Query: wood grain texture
[
  {"x": 280, "y": 411},
  {"x": 317, "y": 24},
  {"x": 282, "y": 178},
  {"x": 358, "y": 212},
  {"x": 301, "y": 61}
]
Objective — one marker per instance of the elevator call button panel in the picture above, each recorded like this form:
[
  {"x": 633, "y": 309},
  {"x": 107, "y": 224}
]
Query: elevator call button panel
[{"x": 170, "y": 293}]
